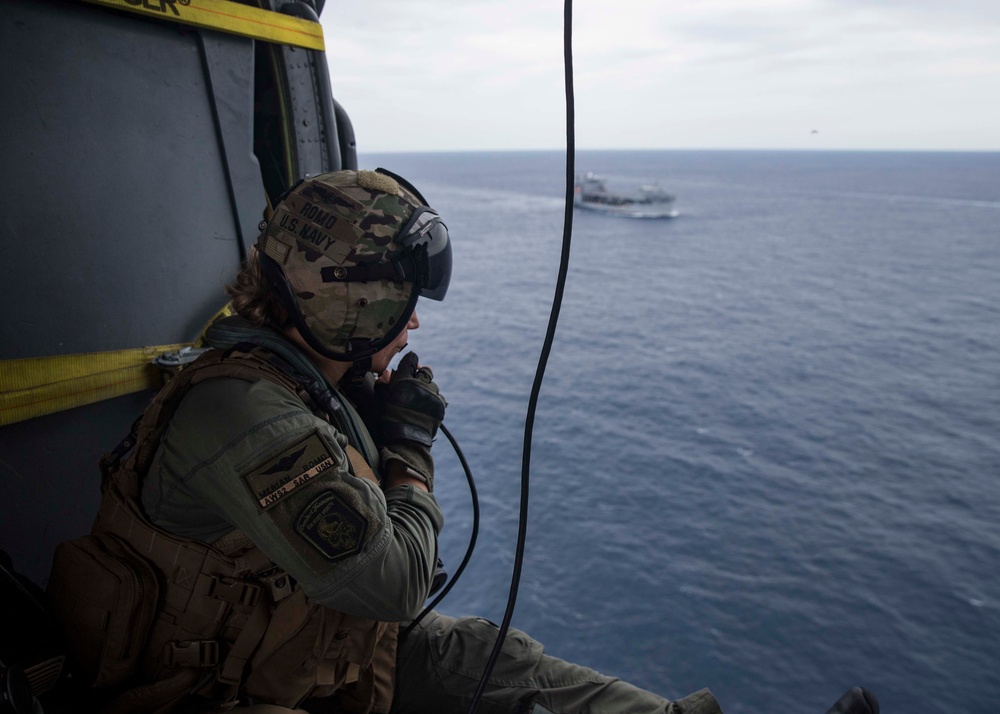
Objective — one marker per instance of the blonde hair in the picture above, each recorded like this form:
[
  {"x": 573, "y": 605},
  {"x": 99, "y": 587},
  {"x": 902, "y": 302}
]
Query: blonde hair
[{"x": 253, "y": 296}]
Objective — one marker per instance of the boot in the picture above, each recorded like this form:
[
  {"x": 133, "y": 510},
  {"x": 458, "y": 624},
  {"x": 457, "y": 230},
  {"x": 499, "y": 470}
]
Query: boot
[{"x": 855, "y": 700}]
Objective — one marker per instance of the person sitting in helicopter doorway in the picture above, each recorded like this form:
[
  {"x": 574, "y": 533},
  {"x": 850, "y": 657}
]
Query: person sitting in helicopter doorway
[{"x": 288, "y": 534}]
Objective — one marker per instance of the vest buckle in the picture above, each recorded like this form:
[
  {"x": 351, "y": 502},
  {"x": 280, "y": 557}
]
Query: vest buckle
[
  {"x": 236, "y": 592},
  {"x": 191, "y": 653}
]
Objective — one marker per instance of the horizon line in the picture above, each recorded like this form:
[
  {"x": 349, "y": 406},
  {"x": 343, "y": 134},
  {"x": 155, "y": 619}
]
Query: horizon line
[{"x": 719, "y": 149}]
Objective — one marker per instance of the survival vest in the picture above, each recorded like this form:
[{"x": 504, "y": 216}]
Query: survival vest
[{"x": 154, "y": 618}]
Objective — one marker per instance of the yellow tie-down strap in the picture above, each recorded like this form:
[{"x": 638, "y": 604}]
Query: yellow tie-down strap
[
  {"x": 231, "y": 17},
  {"x": 36, "y": 386}
]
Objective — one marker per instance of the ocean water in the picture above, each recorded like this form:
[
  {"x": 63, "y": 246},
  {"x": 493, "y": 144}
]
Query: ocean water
[{"x": 767, "y": 451}]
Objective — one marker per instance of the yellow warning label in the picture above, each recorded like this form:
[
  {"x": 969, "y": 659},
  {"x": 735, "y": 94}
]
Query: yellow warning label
[{"x": 231, "y": 17}]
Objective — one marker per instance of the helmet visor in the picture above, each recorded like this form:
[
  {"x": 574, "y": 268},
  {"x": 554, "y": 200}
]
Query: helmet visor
[{"x": 426, "y": 235}]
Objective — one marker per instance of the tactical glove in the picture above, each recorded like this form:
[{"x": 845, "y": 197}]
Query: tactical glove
[
  {"x": 411, "y": 409},
  {"x": 412, "y": 405}
]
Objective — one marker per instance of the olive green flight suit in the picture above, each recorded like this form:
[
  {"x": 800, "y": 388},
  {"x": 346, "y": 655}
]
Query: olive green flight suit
[{"x": 217, "y": 469}]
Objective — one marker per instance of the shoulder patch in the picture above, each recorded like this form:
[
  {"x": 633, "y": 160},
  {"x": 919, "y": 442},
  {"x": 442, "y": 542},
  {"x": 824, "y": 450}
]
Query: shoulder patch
[
  {"x": 277, "y": 477},
  {"x": 332, "y": 527}
]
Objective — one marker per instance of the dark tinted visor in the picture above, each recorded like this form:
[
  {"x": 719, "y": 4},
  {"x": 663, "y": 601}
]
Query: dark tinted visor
[{"x": 427, "y": 236}]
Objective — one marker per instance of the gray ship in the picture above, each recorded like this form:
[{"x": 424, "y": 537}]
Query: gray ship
[{"x": 647, "y": 202}]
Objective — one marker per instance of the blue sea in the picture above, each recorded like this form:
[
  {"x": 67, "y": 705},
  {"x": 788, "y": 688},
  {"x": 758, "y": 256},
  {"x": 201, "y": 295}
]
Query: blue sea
[{"x": 766, "y": 458}]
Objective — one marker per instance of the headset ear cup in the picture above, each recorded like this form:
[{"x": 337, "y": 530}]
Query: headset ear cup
[
  {"x": 354, "y": 351},
  {"x": 279, "y": 283}
]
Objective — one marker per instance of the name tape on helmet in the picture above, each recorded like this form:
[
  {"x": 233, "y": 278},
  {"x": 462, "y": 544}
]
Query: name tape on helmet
[{"x": 325, "y": 231}]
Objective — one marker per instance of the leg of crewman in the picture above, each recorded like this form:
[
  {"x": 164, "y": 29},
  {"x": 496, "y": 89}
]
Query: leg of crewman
[{"x": 440, "y": 663}]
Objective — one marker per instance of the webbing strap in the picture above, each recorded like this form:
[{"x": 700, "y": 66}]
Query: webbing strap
[
  {"x": 231, "y": 671},
  {"x": 231, "y": 17},
  {"x": 36, "y": 386}
]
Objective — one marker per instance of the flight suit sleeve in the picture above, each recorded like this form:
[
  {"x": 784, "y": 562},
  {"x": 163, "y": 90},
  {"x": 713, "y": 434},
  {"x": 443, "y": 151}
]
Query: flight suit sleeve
[{"x": 250, "y": 455}]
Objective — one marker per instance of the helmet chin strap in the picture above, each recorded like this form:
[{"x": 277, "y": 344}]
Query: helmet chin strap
[{"x": 359, "y": 368}]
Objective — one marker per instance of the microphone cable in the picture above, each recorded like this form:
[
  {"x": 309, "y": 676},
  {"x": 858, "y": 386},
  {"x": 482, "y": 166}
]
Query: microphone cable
[{"x": 472, "y": 538}]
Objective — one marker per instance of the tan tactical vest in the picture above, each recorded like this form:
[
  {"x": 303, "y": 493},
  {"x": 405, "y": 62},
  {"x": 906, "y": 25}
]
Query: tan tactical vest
[{"x": 152, "y": 617}]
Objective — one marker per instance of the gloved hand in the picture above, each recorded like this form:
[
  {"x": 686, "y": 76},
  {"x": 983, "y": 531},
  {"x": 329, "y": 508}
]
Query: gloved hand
[
  {"x": 411, "y": 409},
  {"x": 855, "y": 700},
  {"x": 412, "y": 405}
]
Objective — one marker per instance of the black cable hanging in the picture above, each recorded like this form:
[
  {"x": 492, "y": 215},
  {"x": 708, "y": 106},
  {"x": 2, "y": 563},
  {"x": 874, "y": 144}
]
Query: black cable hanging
[
  {"x": 546, "y": 349},
  {"x": 472, "y": 538}
]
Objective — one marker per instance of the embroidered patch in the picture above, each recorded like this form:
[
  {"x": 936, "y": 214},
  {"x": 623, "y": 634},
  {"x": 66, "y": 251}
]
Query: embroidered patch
[
  {"x": 280, "y": 475},
  {"x": 332, "y": 527}
]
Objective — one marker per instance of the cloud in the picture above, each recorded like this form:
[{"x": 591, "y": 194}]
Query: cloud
[{"x": 488, "y": 74}]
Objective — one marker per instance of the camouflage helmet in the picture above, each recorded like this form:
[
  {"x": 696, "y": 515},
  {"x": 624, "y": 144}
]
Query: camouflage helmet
[{"x": 348, "y": 253}]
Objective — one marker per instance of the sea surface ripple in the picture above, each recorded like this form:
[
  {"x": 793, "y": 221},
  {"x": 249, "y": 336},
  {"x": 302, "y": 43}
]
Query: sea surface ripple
[{"x": 766, "y": 454}]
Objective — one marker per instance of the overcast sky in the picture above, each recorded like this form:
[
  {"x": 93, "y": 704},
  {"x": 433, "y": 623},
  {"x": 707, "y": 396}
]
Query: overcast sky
[{"x": 428, "y": 75}]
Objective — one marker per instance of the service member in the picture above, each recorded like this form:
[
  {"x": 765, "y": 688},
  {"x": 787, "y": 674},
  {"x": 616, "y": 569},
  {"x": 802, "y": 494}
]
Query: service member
[{"x": 280, "y": 536}]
